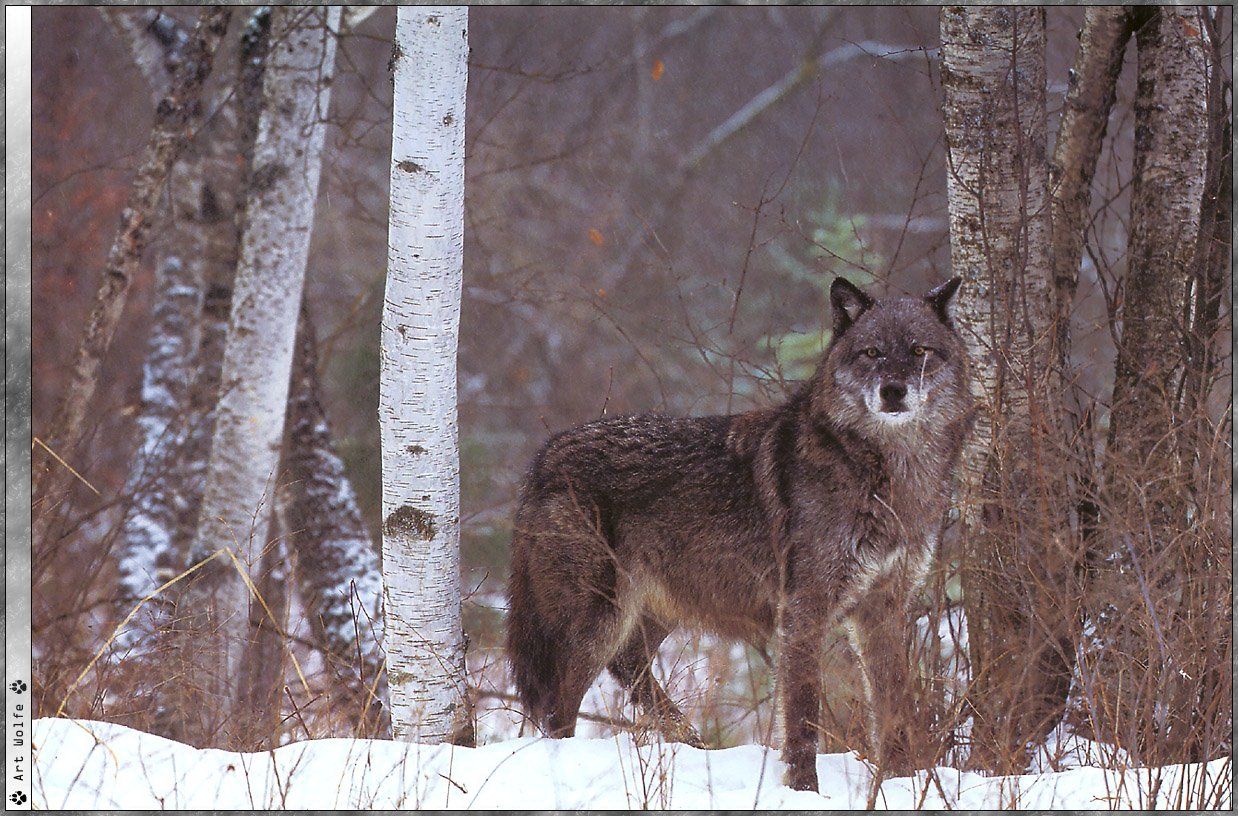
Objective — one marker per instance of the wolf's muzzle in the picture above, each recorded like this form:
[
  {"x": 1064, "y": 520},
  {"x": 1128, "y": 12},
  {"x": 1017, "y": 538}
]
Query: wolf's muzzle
[{"x": 892, "y": 396}]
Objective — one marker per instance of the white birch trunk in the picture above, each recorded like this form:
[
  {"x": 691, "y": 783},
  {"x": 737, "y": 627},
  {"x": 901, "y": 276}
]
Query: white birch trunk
[
  {"x": 209, "y": 207},
  {"x": 993, "y": 75},
  {"x": 417, "y": 381},
  {"x": 258, "y": 354}
]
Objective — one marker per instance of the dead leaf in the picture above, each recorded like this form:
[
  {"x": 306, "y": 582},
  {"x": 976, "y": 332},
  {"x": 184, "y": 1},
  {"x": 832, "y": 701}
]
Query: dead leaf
[
  {"x": 659, "y": 68},
  {"x": 596, "y": 237}
]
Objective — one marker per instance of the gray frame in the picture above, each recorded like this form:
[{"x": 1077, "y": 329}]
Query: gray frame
[{"x": 17, "y": 657}]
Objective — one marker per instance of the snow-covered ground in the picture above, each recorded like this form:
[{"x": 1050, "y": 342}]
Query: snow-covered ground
[{"x": 86, "y": 765}]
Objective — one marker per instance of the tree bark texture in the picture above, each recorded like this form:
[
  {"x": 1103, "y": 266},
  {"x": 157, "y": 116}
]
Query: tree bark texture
[
  {"x": 211, "y": 210},
  {"x": 339, "y": 577},
  {"x": 146, "y": 533},
  {"x": 1091, "y": 90},
  {"x": 174, "y": 119},
  {"x": 1215, "y": 244},
  {"x": 283, "y": 187},
  {"x": 155, "y": 63},
  {"x": 262, "y": 681},
  {"x": 202, "y": 225},
  {"x": 1016, "y": 553},
  {"x": 1168, "y": 181},
  {"x": 1085, "y": 115},
  {"x": 417, "y": 382},
  {"x": 1151, "y": 538}
]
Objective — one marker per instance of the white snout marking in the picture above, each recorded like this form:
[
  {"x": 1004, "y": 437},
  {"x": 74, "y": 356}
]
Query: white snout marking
[{"x": 912, "y": 403}]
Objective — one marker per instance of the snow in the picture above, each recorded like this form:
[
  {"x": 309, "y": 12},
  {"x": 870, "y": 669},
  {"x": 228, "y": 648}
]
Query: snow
[{"x": 81, "y": 764}]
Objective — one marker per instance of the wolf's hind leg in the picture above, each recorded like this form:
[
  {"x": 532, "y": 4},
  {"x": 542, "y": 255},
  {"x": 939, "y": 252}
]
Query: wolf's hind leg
[{"x": 633, "y": 668}]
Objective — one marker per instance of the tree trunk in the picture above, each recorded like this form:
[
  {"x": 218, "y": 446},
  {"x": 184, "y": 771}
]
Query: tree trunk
[
  {"x": 993, "y": 74},
  {"x": 340, "y": 580},
  {"x": 262, "y": 680},
  {"x": 1148, "y": 461},
  {"x": 176, "y": 113},
  {"x": 144, "y": 553},
  {"x": 1214, "y": 246},
  {"x": 146, "y": 533},
  {"x": 283, "y": 187},
  {"x": 417, "y": 381},
  {"x": 214, "y": 227},
  {"x": 1090, "y": 96},
  {"x": 1085, "y": 116},
  {"x": 206, "y": 189},
  {"x": 154, "y": 61}
]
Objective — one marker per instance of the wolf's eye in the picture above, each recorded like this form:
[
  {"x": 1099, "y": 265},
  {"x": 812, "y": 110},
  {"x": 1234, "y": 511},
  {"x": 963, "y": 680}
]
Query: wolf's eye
[
  {"x": 873, "y": 352},
  {"x": 919, "y": 351}
]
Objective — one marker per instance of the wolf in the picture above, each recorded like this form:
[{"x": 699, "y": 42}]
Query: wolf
[{"x": 778, "y": 522}]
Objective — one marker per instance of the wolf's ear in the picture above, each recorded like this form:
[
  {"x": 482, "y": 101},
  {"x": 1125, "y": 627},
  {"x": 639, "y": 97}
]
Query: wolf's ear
[
  {"x": 847, "y": 302},
  {"x": 939, "y": 298}
]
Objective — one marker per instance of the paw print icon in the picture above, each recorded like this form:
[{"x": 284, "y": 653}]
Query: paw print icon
[
  {"x": 18, "y": 686},
  {"x": 17, "y": 798}
]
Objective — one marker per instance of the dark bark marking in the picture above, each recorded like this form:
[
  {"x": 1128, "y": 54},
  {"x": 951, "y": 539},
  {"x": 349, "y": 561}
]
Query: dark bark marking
[
  {"x": 264, "y": 177},
  {"x": 409, "y": 520}
]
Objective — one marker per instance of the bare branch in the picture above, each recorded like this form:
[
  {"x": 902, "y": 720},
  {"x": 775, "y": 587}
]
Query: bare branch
[{"x": 809, "y": 67}]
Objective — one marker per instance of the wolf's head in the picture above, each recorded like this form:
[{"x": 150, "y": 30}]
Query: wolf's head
[{"x": 895, "y": 367}]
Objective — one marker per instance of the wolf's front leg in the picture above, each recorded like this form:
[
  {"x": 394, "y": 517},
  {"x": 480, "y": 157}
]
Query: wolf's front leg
[
  {"x": 878, "y": 630},
  {"x": 799, "y": 673}
]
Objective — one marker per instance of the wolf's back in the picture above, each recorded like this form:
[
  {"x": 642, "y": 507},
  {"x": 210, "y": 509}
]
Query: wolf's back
[{"x": 579, "y": 490}]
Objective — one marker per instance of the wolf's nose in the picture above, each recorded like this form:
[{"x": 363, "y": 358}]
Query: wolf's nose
[{"x": 893, "y": 393}]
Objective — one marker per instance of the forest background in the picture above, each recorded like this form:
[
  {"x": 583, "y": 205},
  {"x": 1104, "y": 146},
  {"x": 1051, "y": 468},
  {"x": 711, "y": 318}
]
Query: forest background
[{"x": 656, "y": 201}]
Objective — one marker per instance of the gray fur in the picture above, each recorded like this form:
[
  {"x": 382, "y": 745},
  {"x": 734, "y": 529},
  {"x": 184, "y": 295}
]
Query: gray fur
[{"x": 826, "y": 507}]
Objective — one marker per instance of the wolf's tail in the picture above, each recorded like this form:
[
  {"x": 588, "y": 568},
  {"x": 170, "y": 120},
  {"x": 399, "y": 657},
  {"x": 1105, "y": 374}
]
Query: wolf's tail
[{"x": 531, "y": 649}]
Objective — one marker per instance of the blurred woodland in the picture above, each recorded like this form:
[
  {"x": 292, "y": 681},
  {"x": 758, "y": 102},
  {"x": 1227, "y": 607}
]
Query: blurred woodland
[{"x": 657, "y": 200}]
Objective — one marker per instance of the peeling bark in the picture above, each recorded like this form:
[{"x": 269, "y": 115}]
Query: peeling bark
[
  {"x": 417, "y": 381},
  {"x": 339, "y": 578}
]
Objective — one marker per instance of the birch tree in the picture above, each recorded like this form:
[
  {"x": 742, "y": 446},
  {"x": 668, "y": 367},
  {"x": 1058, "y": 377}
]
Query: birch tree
[
  {"x": 200, "y": 225},
  {"x": 417, "y": 381},
  {"x": 213, "y": 219},
  {"x": 178, "y": 110},
  {"x": 994, "y": 78},
  {"x": 1153, "y": 543},
  {"x": 283, "y": 187},
  {"x": 146, "y": 533}
]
